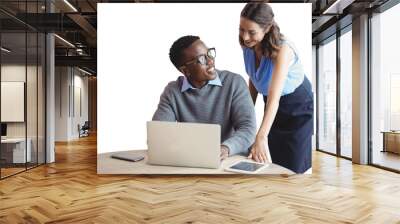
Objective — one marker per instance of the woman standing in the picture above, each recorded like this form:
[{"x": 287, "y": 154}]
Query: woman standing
[{"x": 276, "y": 72}]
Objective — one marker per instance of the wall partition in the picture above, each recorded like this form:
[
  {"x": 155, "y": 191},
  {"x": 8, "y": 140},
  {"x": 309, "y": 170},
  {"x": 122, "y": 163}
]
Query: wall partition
[
  {"x": 71, "y": 102},
  {"x": 22, "y": 77}
]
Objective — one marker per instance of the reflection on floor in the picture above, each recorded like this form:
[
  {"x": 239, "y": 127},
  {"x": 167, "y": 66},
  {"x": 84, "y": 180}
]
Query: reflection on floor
[
  {"x": 387, "y": 159},
  {"x": 10, "y": 169},
  {"x": 346, "y": 152}
]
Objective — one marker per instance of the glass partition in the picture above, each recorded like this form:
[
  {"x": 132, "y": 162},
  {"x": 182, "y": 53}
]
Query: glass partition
[
  {"x": 385, "y": 89},
  {"x": 13, "y": 105},
  {"x": 22, "y": 77},
  {"x": 346, "y": 94},
  {"x": 34, "y": 52},
  {"x": 327, "y": 97},
  {"x": 32, "y": 96},
  {"x": 41, "y": 87}
]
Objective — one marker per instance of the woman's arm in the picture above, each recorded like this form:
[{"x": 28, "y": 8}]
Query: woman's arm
[
  {"x": 260, "y": 151},
  {"x": 253, "y": 92},
  {"x": 279, "y": 75}
]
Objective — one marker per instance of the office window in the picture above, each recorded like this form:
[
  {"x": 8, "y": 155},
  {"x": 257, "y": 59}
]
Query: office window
[
  {"x": 346, "y": 94},
  {"x": 327, "y": 97},
  {"x": 385, "y": 88}
]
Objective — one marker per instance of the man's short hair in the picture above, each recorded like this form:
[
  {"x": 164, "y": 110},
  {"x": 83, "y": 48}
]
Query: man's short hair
[{"x": 176, "y": 50}]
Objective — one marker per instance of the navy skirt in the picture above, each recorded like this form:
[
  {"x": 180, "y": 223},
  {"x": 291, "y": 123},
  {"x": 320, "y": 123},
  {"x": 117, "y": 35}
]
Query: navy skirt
[{"x": 289, "y": 139}]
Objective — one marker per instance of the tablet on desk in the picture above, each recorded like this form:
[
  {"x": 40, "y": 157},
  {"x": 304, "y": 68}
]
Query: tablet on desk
[
  {"x": 127, "y": 156},
  {"x": 246, "y": 166}
]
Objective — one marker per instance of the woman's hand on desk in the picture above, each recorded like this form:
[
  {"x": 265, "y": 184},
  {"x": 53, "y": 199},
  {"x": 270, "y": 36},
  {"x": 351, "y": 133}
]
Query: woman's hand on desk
[{"x": 260, "y": 151}]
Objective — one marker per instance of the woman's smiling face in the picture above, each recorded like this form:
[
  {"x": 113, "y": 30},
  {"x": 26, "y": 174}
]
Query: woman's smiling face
[{"x": 250, "y": 32}]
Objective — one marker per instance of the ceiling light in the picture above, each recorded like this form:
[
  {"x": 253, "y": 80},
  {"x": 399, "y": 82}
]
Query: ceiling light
[
  {"x": 84, "y": 71},
  {"x": 338, "y": 6},
  {"x": 5, "y": 50},
  {"x": 64, "y": 40},
  {"x": 70, "y": 5}
]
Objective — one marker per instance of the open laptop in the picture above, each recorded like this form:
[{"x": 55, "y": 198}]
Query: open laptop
[{"x": 183, "y": 144}]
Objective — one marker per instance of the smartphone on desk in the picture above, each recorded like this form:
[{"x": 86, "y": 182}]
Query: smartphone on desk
[{"x": 127, "y": 156}]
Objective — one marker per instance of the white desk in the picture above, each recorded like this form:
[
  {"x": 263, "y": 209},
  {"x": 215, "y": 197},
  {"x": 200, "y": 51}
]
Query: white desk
[
  {"x": 18, "y": 150},
  {"x": 108, "y": 165}
]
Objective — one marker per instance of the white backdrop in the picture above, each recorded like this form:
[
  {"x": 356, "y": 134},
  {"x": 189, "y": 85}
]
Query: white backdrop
[{"x": 134, "y": 67}]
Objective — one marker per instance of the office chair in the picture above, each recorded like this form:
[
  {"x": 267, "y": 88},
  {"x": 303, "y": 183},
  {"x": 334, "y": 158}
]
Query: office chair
[{"x": 84, "y": 130}]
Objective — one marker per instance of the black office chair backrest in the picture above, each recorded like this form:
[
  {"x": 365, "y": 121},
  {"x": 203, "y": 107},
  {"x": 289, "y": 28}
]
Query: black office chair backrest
[{"x": 86, "y": 125}]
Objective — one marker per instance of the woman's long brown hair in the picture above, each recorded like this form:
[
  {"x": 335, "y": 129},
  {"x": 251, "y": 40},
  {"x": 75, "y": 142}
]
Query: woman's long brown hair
[{"x": 262, "y": 14}]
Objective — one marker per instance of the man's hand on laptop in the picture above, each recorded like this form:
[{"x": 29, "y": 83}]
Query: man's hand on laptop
[{"x": 224, "y": 152}]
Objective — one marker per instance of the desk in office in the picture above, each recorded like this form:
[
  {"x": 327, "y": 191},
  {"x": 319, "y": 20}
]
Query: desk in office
[
  {"x": 391, "y": 141},
  {"x": 17, "y": 153},
  {"x": 108, "y": 165}
]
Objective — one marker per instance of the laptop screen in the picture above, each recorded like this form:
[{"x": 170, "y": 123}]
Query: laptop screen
[{"x": 3, "y": 129}]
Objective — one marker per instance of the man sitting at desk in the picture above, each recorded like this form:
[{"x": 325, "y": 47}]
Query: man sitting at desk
[{"x": 207, "y": 95}]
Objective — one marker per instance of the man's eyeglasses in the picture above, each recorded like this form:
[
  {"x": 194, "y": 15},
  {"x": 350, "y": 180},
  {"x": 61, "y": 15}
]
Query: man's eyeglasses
[{"x": 202, "y": 59}]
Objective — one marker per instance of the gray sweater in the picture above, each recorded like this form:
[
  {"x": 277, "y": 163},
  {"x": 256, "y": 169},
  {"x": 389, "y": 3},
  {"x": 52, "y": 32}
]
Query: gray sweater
[{"x": 229, "y": 105}]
